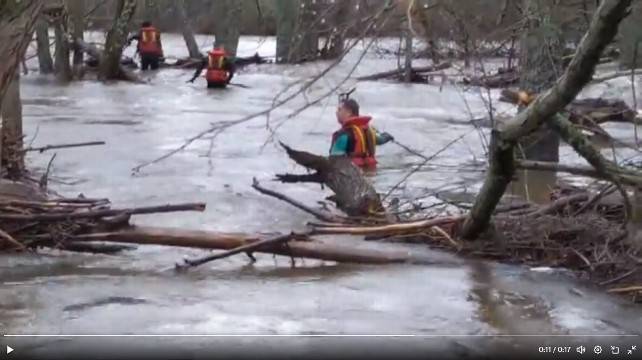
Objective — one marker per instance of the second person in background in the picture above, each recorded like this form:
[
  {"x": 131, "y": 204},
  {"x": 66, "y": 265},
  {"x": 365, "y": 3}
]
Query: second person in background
[{"x": 220, "y": 68}]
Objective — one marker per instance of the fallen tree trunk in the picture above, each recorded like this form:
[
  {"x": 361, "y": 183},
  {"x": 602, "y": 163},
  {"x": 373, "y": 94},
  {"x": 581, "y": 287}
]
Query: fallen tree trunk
[
  {"x": 595, "y": 110},
  {"x": 101, "y": 213},
  {"x": 97, "y": 54},
  {"x": 502, "y": 78},
  {"x": 228, "y": 241},
  {"x": 354, "y": 194},
  {"x": 399, "y": 73}
]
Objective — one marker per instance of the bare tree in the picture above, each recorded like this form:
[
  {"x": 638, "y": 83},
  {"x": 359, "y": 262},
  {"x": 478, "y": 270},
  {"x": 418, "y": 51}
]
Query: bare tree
[
  {"x": 17, "y": 22},
  {"x": 542, "y": 51},
  {"x": 297, "y": 31},
  {"x": 116, "y": 38},
  {"x": 545, "y": 107},
  {"x": 76, "y": 9},
  {"x": 630, "y": 42},
  {"x": 228, "y": 23},
  {"x": 12, "y": 156},
  {"x": 45, "y": 61},
  {"x": 61, "y": 60},
  {"x": 186, "y": 29}
]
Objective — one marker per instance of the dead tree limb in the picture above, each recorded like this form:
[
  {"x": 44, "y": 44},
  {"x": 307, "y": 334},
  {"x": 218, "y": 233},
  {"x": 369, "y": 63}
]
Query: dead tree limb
[
  {"x": 354, "y": 194},
  {"x": 416, "y": 226},
  {"x": 53, "y": 216},
  {"x": 398, "y": 73},
  {"x": 63, "y": 146},
  {"x": 247, "y": 248},
  {"x": 579, "y": 72},
  {"x": 318, "y": 214}
]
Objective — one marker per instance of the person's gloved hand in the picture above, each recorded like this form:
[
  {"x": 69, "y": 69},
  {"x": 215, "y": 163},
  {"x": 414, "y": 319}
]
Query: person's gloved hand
[{"x": 386, "y": 137}]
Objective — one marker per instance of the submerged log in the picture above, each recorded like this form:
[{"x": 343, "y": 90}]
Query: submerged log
[
  {"x": 503, "y": 78},
  {"x": 583, "y": 111},
  {"x": 97, "y": 54},
  {"x": 354, "y": 194},
  {"x": 227, "y": 241},
  {"x": 399, "y": 73}
]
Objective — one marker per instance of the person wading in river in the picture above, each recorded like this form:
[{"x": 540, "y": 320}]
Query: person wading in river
[
  {"x": 220, "y": 68},
  {"x": 149, "y": 46},
  {"x": 356, "y": 138}
]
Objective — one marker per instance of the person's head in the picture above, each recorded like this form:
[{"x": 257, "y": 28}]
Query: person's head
[
  {"x": 347, "y": 109},
  {"x": 146, "y": 23}
]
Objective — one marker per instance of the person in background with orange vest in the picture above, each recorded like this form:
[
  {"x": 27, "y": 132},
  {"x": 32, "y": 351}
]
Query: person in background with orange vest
[
  {"x": 149, "y": 46},
  {"x": 356, "y": 138},
  {"x": 220, "y": 68}
]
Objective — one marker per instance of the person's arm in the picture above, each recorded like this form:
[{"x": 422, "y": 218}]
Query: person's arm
[
  {"x": 199, "y": 70},
  {"x": 132, "y": 38},
  {"x": 231, "y": 68},
  {"x": 340, "y": 146},
  {"x": 160, "y": 45},
  {"x": 383, "y": 138}
]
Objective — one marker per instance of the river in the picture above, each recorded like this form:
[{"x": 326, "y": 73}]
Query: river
[{"x": 59, "y": 293}]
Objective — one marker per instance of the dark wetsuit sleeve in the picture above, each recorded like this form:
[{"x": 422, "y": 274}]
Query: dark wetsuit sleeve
[
  {"x": 199, "y": 69},
  {"x": 231, "y": 68}
]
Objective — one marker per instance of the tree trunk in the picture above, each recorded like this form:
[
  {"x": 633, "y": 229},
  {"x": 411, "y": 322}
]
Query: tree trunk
[
  {"x": 578, "y": 73},
  {"x": 227, "y": 29},
  {"x": 116, "y": 39},
  {"x": 76, "y": 10},
  {"x": 286, "y": 15},
  {"x": 354, "y": 194},
  {"x": 499, "y": 175},
  {"x": 631, "y": 38},
  {"x": 340, "y": 18},
  {"x": 408, "y": 57},
  {"x": 45, "y": 61},
  {"x": 225, "y": 241},
  {"x": 13, "y": 157},
  {"x": 186, "y": 29},
  {"x": 17, "y": 22},
  {"x": 542, "y": 49},
  {"x": 307, "y": 41},
  {"x": 62, "y": 65}
]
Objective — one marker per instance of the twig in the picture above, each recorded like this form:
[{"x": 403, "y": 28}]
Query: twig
[
  {"x": 45, "y": 177},
  {"x": 318, "y": 214},
  {"x": 11, "y": 240},
  {"x": 621, "y": 277},
  {"x": 63, "y": 146},
  {"x": 443, "y": 233},
  {"x": 426, "y": 160}
]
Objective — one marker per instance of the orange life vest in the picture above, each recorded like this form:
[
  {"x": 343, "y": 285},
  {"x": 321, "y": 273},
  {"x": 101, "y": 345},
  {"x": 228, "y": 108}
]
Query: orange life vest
[
  {"x": 362, "y": 141},
  {"x": 149, "y": 42},
  {"x": 216, "y": 72}
]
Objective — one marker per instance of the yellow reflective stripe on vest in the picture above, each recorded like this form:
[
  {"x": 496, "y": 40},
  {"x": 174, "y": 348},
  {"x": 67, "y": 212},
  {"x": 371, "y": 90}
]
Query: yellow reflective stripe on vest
[
  {"x": 360, "y": 140},
  {"x": 373, "y": 140}
]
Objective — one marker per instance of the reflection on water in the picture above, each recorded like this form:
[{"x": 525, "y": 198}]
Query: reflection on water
[{"x": 534, "y": 185}]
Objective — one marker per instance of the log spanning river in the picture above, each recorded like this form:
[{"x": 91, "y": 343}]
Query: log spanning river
[{"x": 55, "y": 293}]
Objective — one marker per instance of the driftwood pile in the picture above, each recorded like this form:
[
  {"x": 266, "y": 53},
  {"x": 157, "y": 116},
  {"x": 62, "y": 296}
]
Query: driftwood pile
[
  {"x": 501, "y": 79},
  {"x": 418, "y": 74}
]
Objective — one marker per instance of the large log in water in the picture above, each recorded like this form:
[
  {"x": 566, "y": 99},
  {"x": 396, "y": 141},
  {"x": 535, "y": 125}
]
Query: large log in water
[
  {"x": 354, "y": 194},
  {"x": 226, "y": 241},
  {"x": 595, "y": 110}
]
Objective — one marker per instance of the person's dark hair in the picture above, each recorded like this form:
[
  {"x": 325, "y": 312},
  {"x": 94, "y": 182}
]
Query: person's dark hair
[
  {"x": 351, "y": 105},
  {"x": 147, "y": 24}
]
